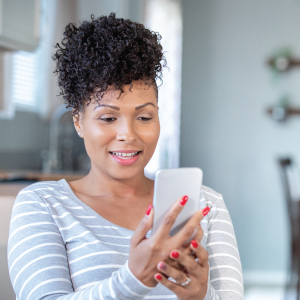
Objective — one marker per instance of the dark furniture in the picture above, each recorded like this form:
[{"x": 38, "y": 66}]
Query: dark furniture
[{"x": 291, "y": 186}]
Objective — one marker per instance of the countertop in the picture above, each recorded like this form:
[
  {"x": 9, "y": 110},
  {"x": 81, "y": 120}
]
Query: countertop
[{"x": 38, "y": 176}]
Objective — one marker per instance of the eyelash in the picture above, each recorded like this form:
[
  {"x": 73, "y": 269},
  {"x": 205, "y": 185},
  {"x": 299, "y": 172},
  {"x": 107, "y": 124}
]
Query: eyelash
[
  {"x": 145, "y": 119},
  {"x": 110, "y": 120}
]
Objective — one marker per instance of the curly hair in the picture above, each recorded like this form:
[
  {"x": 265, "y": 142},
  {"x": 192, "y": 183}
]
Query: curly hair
[{"x": 107, "y": 51}]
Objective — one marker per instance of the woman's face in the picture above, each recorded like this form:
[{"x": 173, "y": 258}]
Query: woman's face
[{"x": 121, "y": 133}]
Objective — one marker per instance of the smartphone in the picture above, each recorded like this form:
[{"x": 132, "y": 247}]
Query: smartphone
[{"x": 171, "y": 184}]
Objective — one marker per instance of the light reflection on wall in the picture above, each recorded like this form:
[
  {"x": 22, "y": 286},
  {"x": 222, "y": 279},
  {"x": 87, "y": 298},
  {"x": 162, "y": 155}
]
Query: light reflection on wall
[{"x": 164, "y": 16}]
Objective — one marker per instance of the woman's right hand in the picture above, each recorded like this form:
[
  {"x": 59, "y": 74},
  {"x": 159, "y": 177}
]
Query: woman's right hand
[{"x": 145, "y": 253}]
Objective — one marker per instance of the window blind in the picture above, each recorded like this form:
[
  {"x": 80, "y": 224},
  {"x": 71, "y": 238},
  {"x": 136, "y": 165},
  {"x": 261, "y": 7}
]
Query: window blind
[{"x": 24, "y": 79}]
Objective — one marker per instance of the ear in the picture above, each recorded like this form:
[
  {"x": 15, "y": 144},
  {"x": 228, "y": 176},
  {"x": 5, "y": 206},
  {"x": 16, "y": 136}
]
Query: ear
[{"x": 77, "y": 121}]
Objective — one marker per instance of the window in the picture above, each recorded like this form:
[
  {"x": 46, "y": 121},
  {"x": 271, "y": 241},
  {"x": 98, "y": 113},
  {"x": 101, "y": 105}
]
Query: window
[
  {"x": 164, "y": 16},
  {"x": 24, "y": 79}
]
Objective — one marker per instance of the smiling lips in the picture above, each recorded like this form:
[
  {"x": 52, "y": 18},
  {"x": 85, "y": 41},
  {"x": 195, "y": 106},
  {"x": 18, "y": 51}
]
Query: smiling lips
[{"x": 125, "y": 157}]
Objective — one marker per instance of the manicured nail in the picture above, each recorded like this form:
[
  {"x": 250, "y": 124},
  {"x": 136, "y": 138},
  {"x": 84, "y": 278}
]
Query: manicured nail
[
  {"x": 183, "y": 200},
  {"x": 200, "y": 224},
  {"x": 162, "y": 266},
  {"x": 174, "y": 254},
  {"x": 194, "y": 244},
  {"x": 205, "y": 211},
  {"x": 158, "y": 277},
  {"x": 149, "y": 209}
]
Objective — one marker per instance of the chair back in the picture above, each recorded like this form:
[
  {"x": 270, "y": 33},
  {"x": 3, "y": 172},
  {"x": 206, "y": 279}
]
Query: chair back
[{"x": 291, "y": 186}]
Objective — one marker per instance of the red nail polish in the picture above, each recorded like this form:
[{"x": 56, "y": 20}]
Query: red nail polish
[
  {"x": 205, "y": 211},
  {"x": 194, "y": 244},
  {"x": 183, "y": 200},
  {"x": 149, "y": 209},
  {"x": 158, "y": 277},
  {"x": 174, "y": 254}
]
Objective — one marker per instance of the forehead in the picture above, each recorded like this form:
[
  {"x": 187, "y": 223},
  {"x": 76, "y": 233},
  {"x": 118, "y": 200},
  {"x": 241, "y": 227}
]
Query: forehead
[{"x": 136, "y": 93}]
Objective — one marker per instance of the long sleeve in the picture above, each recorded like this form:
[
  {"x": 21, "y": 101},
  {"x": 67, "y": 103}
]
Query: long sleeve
[
  {"x": 225, "y": 272},
  {"x": 38, "y": 261}
]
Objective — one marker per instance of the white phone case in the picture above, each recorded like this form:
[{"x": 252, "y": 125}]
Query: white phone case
[{"x": 171, "y": 184}]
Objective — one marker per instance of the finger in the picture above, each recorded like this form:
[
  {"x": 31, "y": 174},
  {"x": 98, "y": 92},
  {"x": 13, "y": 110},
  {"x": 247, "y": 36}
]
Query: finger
[
  {"x": 189, "y": 228},
  {"x": 187, "y": 261},
  {"x": 168, "y": 221},
  {"x": 174, "y": 263},
  {"x": 143, "y": 227},
  {"x": 186, "y": 249},
  {"x": 201, "y": 253},
  {"x": 197, "y": 236},
  {"x": 176, "y": 288},
  {"x": 169, "y": 271}
]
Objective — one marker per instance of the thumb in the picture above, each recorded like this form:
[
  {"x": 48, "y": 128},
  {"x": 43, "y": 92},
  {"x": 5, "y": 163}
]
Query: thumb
[{"x": 143, "y": 227}]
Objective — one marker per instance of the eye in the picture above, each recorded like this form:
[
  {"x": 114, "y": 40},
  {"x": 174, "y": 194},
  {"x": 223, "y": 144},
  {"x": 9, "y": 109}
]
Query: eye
[
  {"x": 145, "y": 119},
  {"x": 108, "y": 120}
]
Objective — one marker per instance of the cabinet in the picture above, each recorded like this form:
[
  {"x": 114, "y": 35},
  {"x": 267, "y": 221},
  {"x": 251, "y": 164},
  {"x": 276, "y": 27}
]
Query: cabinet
[{"x": 19, "y": 24}]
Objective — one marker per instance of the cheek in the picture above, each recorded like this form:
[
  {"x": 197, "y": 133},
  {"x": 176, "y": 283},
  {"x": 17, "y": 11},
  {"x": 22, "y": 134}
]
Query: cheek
[
  {"x": 97, "y": 137},
  {"x": 151, "y": 135}
]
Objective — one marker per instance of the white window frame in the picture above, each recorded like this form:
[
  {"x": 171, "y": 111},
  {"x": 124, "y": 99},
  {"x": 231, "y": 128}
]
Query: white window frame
[{"x": 6, "y": 105}]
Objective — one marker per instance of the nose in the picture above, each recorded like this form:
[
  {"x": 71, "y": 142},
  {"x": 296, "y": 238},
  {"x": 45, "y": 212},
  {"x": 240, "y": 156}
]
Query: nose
[{"x": 126, "y": 133}]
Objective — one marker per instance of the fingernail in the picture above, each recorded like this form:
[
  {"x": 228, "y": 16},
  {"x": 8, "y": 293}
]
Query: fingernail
[
  {"x": 205, "y": 211},
  {"x": 158, "y": 277},
  {"x": 194, "y": 244},
  {"x": 183, "y": 200},
  {"x": 148, "y": 210},
  {"x": 174, "y": 254},
  {"x": 162, "y": 266},
  {"x": 200, "y": 224}
]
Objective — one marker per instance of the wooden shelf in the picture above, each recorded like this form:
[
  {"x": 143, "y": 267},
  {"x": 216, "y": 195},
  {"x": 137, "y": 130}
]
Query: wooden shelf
[
  {"x": 289, "y": 111},
  {"x": 283, "y": 64}
]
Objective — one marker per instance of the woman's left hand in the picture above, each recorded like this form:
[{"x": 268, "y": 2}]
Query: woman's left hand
[{"x": 195, "y": 274}]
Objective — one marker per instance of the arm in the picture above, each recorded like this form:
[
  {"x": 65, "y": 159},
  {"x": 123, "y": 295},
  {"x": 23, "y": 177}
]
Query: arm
[
  {"x": 38, "y": 263},
  {"x": 225, "y": 270}
]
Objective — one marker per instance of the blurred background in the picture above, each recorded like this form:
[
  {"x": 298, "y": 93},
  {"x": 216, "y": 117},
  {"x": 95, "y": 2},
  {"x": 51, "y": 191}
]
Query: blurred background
[{"x": 230, "y": 104}]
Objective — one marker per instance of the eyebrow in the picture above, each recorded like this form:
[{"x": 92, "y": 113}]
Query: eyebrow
[
  {"x": 106, "y": 105},
  {"x": 143, "y": 105},
  {"x": 118, "y": 108}
]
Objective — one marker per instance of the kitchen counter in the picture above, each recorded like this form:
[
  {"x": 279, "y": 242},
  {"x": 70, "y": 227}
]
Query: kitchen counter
[
  {"x": 9, "y": 191},
  {"x": 38, "y": 176}
]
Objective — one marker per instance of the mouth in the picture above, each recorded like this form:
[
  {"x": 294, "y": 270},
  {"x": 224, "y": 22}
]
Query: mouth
[{"x": 125, "y": 155}]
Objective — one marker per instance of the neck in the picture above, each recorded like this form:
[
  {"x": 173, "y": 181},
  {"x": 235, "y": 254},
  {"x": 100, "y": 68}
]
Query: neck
[{"x": 97, "y": 183}]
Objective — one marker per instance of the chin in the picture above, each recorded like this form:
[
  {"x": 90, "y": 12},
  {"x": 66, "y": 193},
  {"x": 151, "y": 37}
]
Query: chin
[
  {"x": 120, "y": 172},
  {"x": 126, "y": 174}
]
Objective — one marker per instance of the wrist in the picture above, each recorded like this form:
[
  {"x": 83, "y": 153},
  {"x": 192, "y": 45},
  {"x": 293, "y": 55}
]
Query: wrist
[{"x": 147, "y": 280}]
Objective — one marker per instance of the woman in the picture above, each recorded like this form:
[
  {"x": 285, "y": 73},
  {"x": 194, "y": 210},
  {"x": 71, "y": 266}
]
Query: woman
[{"x": 91, "y": 238}]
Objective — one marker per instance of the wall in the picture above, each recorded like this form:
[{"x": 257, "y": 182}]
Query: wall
[
  {"x": 132, "y": 9},
  {"x": 225, "y": 130}
]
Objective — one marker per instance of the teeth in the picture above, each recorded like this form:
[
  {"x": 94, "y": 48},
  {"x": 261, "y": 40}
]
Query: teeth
[{"x": 124, "y": 155}]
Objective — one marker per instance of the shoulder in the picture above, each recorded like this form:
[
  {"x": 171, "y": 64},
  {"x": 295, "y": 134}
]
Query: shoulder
[
  {"x": 212, "y": 199},
  {"x": 209, "y": 196},
  {"x": 37, "y": 190}
]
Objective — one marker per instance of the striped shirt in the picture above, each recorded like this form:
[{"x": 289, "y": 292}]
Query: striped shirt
[{"x": 60, "y": 248}]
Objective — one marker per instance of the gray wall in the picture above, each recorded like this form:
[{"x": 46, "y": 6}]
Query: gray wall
[
  {"x": 226, "y": 88},
  {"x": 132, "y": 9}
]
